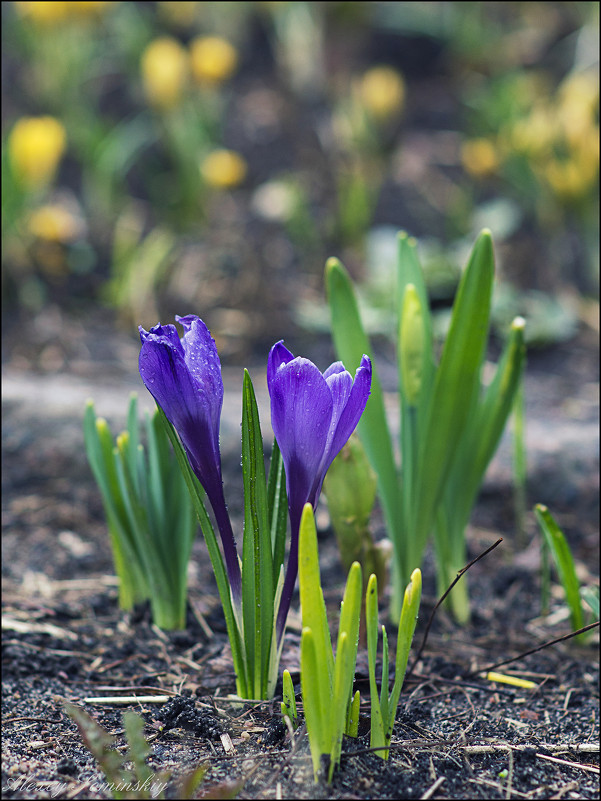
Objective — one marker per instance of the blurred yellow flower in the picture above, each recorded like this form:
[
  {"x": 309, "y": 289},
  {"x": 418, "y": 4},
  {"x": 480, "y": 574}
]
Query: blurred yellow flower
[
  {"x": 181, "y": 14},
  {"x": 580, "y": 90},
  {"x": 54, "y": 223},
  {"x": 479, "y": 157},
  {"x": 568, "y": 179},
  {"x": 35, "y": 147},
  {"x": 90, "y": 8},
  {"x": 534, "y": 134},
  {"x": 49, "y": 12},
  {"x": 213, "y": 60},
  {"x": 578, "y": 106},
  {"x": 575, "y": 176},
  {"x": 164, "y": 67},
  {"x": 224, "y": 169},
  {"x": 43, "y": 12},
  {"x": 382, "y": 92}
]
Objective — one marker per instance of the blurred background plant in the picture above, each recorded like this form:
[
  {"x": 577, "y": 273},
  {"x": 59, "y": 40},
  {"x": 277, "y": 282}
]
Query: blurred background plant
[{"x": 217, "y": 154}]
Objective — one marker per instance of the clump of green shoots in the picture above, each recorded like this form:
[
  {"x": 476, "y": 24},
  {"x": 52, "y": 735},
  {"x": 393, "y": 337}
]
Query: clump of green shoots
[
  {"x": 330, "y": 707},
  {"x": 149, "y": 512},
  {"x": 383, "y": 708},
  {"x": 451, "y": 422},
  {"x": 326, "y": 680}
]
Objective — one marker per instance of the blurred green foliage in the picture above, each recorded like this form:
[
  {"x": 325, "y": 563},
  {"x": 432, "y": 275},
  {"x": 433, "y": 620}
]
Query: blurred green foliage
[{"x": 197, "y": 126}]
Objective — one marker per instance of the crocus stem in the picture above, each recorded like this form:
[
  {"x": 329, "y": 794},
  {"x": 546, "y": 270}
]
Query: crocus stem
[
  {"x": 291, "y": 573},
  {"x": 230, "y": 552}
]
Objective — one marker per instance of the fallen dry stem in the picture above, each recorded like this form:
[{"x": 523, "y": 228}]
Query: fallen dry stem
[
  {"x": 442, "y": 599},
  {"x": 534, "y": 650}
]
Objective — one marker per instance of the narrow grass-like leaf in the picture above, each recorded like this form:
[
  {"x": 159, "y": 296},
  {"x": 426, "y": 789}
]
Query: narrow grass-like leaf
[
  {"x": 101, "y": 745},
  {"x": 233, "y": 616},
  {"x": 482, "y": 437},
  {"x": 352, "y": 722},
  {"x": 313, "y": 607},
  {"x": 191, "y": 781},
  {"x": 455, "y": 384},
  {"x": 159, "y": 575},
  {"x": 520, "y": 465},
  {"x": 410, "y": 272},
  {"x": 138, "y": 746},
  {"x": 351, "y": 342},
  {"x": 383, "y": 710},
  {"x": 371, "y": 627},
  {"x": 339, "y": 701},
  {"x": 385, "y": 670},
  {"x": 346, "y": 655},
  {"x": 133, "y": 588},
  {"x": 257, "y": 571},
  {"x": 317, "y": 713},
  {"x": 157, "y": 462},
  {"x": 562, "y": 556},
  {"x": 472, "y": 456},
  {"x": 407, "y": 623},
  {"x": 288, "y": 706},
  {"x": 133, "y": 428},
  {"x": 591, "y": 596},
  {"x": 277, "y": 503},
  {"x": 276, "y": 645}
]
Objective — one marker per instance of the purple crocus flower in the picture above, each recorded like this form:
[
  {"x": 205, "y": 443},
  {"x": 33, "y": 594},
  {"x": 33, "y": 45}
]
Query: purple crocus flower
[
  {"x": 184, "y": 377},
  {"x": 312, "y": 415}
]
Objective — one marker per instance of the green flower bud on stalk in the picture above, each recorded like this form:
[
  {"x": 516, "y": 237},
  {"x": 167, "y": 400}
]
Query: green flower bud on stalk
[
  {"x": 411, "y": 345},
  {"x": 350, "y": 487}
]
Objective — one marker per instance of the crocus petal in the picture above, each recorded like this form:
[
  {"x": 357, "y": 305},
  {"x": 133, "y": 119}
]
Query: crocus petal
[
  {"x": 278, "y": 356},
  {"x": 202, "y": 360},
  {"x": 164, "y": 372},
  {"x": 312, "y": 416},
  {"x": 351, "y": 414},
  {"x": 336, "y": 367},
  {"x": 184, "y": 377},
  {"x": 301, "y": 412}
]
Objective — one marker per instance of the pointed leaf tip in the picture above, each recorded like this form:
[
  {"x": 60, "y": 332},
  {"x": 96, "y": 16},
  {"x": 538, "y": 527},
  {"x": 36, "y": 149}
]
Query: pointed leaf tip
[{"x": 405, "y": 237}]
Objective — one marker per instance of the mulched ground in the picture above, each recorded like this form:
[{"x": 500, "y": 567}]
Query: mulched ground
[{"x": 457, "y": 735}]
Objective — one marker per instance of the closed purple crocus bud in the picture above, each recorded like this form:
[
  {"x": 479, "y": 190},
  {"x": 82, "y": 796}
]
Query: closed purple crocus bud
[
  {"x": 312, "y": 415},
  {"x": 184, "y": 377}
]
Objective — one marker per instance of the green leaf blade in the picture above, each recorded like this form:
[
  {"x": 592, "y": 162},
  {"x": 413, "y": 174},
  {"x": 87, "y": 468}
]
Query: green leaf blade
[
  {"x": 351, "y": 342},
  {"x": 257, "y": 569},
  {"x": 564, "y": 563},
  {"x": 313, "y": 607},
  {"x": 455, "y": 384}
]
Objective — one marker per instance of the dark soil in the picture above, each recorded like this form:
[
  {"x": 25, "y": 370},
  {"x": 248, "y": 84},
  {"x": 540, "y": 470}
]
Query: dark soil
[{"x": 457, "y": 734}]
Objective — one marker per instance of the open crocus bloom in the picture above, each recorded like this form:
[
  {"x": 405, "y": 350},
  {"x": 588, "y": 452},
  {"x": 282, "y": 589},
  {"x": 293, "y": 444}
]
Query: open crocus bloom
[
  {"x": 184, "y": 377},
  {"x": 312, "y": 415}
]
